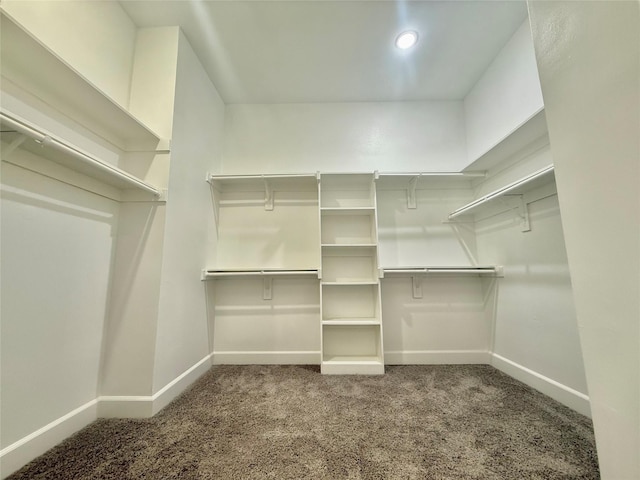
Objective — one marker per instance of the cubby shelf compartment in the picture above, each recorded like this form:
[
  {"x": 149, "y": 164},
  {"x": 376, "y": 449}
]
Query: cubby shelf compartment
[
  {"x": 348, "y": 229},
  {"x": 352, "y": 349},
  {"x": 347, "y": 190},
  {"x": 519, "y": 187},
  {"x": 20, "y": 134},
  {"x": 29, "y": 66},
  {"x": 354, "y": 301}
]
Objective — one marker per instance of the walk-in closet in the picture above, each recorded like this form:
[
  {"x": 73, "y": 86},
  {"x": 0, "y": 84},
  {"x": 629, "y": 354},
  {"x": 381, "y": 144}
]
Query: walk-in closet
[{"x": 194, "y": 184}]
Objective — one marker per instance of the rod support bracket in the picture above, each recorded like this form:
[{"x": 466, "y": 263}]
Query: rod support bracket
[
  {"x": 411, "y": 192},
  {"x": 268, "y": 195},
  {"x": 267, "y": 288},
  {"x": 416, "y": 284}
]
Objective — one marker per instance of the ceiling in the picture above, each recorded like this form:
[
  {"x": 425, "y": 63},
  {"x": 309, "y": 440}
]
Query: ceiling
[{"x": 310, "y": 51}]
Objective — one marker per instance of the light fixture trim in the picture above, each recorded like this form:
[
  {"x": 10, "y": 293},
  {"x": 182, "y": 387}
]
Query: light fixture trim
[{"x": 407, "y": 39}]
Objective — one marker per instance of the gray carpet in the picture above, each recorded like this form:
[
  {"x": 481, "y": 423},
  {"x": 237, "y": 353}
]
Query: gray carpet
[{"x": 290, "y": 422}]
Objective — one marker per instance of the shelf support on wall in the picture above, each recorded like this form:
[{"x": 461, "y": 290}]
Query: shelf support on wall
[
  {"x": 267, "y": 288},
  {"x": 411, "y": 192},
  {"x": 268, "y": 195},
  {"x": 416, "y": 284},
  {"x": 19, "y": 140}
]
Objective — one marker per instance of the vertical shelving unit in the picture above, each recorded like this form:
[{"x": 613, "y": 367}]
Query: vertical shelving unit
[{"x": 351, "y": 323}]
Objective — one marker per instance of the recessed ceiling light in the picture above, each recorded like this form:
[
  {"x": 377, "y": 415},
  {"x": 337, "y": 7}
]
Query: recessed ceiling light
[{"x": 406, "y": 39}]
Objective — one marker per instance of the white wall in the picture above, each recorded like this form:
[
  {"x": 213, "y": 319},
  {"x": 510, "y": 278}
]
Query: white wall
[
  {"x": 588, "y": 57},
  {"x": 182, "y": 333},
  {"x": 57, "y": 244},
  {"x": 130, "y": 336},
  {"x": 104, "y": 55},
  {"x": 505, "y": 97},
  {"x": 356, "y": 137},
  {"x": 535, "y": 324}
]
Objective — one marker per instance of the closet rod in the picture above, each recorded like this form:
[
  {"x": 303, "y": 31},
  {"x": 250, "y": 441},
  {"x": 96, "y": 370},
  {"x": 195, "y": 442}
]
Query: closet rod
[
  {"x": 434, "y": 174},
  {"x": 502, "y": 191},
  {"x": 47, "y": 141}
]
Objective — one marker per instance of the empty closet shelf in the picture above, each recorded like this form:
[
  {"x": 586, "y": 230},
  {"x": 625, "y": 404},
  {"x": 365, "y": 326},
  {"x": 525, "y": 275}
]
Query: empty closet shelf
[
  {"x": 408, "y": 271},
  {"x": 519, "y": 187},
  {"x": 212, "y": 274},
  {"x": 351, "y": 321}
]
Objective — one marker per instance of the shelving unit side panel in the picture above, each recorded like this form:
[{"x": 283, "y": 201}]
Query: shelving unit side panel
[
  {"x": 250, "y": 237},
  {"x": 409, "y": 237}
]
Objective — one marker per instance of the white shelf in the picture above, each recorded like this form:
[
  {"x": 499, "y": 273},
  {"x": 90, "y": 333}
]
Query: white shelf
[
  {"x": 449, "y": 270},
  {"x": 352, "y": 365},
  {"x": 211, "y": 274},
  {"x": 328, "y": 211},
  {"x": 530, "y": 131},
  {"x": 426, "y": 180},
  {"x": 351, "y": 283},
  {"x": 352, "y": 359},
  {"x": 256, "y": 183},
  {"x": 29, "y": 66},
  {"x": 351, "y": 321},
  {"x": 354, "y": 246},
  {"x": 28, "y": 137},
  {"x": 528, "y": 183}
]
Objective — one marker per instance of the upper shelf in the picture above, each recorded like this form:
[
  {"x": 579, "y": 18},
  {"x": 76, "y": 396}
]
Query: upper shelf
[
  {"x": 530, "y": 182},
  {"x": 210, "y": 274},
  {"x": 29, "y": 66},
  {"x": 425, "y": 180},
  {"x": 533, "y": 129},
  {"x": 16, "y": 133},
  {"x": 258, "y": 183},
  {"x": 489, "y": 270}
]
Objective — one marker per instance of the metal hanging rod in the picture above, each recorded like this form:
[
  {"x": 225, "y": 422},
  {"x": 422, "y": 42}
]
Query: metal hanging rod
[
  {"x": 502, "y": 191},
  {"x": 434, "y": 174},
  {"x": 47, "y": 140}
]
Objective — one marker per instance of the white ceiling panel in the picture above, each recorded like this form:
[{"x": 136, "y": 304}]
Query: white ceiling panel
[{"x": 338, "y": 51}]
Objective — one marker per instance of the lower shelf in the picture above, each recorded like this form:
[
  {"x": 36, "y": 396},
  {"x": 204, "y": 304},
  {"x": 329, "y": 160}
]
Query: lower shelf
[
  {"x": 352, "y": 349},
  {"x": 352, "y": 365}
]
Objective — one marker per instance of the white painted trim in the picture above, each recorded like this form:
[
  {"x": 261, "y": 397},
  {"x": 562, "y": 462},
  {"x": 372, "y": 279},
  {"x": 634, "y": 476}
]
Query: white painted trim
[
  {"x": 266, "y": 358},
  {"x": 567, "y": 396},
  {"x": 147, "y": 406},
  {"x": 436, "y": 357},
  {"x": 171, "y": 390},
  {"x": 19, "y": 453}
]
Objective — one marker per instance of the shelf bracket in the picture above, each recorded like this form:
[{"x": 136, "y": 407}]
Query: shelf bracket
[
  {"x": 416, "y": 284},
  {"x": 524, "y": 214},
  {"x": 268, "y": 195},
  {"x": 411, "y": 192},
  {"x": 19, "y": 140},
  {"x": 521, "y": 210},
  {"x": 267, "y": 288}
]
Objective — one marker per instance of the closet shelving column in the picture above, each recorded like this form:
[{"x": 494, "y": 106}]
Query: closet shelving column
[{"x": 350, "y": 286}]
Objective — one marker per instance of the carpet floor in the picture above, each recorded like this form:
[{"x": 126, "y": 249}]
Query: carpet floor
[{"x": 290, "y": 422}]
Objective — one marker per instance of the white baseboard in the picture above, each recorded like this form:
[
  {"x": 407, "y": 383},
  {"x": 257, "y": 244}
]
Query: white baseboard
[
  {"x": 148, "y": 406},
  {"x": 559, "y": 392},
  {"x": 18, "y": 454},
  {"x": 266, "y": 358},
  {"x": 436, "y": 357},
  {"x": 170, "y": 391}
]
